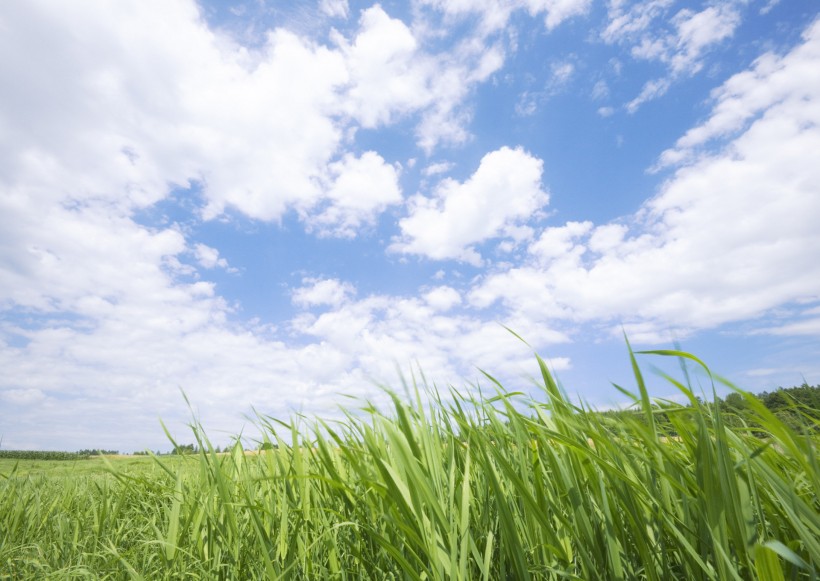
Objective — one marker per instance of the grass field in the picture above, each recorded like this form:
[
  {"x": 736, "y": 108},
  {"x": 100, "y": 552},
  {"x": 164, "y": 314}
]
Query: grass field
[
  {"x": 79, "y": 468},
  {"x": 505, "y": 487}
]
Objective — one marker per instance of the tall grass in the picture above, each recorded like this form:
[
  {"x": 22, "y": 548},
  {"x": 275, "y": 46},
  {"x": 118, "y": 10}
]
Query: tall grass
[{"x": 455, "y": 487}]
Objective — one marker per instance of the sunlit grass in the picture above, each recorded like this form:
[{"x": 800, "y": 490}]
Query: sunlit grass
[{"x": 455, "y": 487}]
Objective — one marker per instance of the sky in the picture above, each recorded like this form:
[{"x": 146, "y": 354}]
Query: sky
[{"x": 271, "y": 206}]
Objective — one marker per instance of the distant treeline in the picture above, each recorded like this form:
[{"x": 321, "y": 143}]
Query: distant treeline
[
  {"x": 54, "y": 455},
  {"x": 798, "y": 407},
  {"x": 41, "y": 455},
  {"x": 98, "y": 452}
]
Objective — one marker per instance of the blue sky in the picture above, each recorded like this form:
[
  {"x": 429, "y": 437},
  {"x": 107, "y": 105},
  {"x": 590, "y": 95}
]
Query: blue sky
[{"x": 269, "y": 204}]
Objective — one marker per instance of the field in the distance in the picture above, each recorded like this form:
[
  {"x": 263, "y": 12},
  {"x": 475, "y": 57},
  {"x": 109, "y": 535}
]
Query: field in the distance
[
  {"x": 452, "y": 488},
  {"x": 95, "y": 466}
]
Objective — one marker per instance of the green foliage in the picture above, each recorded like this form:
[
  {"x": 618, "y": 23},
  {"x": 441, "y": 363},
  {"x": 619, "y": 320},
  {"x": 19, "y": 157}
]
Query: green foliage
[
  {"x": 798, "y": 407},
  {"x": 42, "y": 455},
  {"x": 453, "y": 487},
  {"x": 98, "y": 452},
  {"x": 184, "y": 449}
]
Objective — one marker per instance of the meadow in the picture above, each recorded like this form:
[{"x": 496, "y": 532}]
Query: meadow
[{"x": 453, "y": 486}]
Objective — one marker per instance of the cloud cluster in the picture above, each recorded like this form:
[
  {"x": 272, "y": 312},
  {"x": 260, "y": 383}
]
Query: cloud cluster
[
  {"x": 681, "y": 44},
  {"x": 142, "y": 105},
  {"x": 775, "y": 84},
  {"x": 496, "y": 201},
  {"x": 106, "y": 316},
  {"x": 730, "y": 236},
  {"x": 114, "y": 109}
]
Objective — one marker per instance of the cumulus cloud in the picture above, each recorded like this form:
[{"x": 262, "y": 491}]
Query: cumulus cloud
[
  {"x": 378, "y": 332},
  {"x": 388, "y": 77},
  {"x": 558, "y": 243},
  {"x": 208, "y": 257},
  {"x": 502, "y": 194},
  {"x": 392, "y": 76},
  {"x": 773, "y": 80},
  {"x": 442, "y": 298},
  {"x": 729, "y": 237},
  {"x": 133, "y": 108},
  {"x": 105, "y": 312},
  {"x": 322, "y": 292},
  {"x": 361, "y": 188}
]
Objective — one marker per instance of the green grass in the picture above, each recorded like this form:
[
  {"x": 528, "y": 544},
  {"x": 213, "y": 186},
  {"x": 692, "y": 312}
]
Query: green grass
[
  {"x": 504, "y": 487},
  {"x": 95, "y": 466}
]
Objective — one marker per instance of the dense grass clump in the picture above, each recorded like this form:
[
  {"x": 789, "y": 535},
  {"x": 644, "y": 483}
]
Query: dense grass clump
[{"x": 505, "y": 487}]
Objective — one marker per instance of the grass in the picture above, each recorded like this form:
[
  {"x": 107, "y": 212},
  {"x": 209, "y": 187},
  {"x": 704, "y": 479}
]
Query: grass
[
  {"x": 455, "y": 487},
  {"x": 95, "y": 466}
]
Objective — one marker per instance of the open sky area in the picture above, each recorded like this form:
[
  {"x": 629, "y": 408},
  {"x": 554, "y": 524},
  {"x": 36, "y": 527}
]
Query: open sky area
[{"x": 267, "y": 204}]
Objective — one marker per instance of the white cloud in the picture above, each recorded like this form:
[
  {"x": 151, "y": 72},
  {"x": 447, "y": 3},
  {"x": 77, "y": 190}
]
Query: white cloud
[
  {"x": 101, "y": 314},
  {"x": 134, "y": 105},
  {"x": 103, "y": 321},
  {"x": 362, "y": 188},
  {"x": 437, "y": 168},
  {"x": 557, "y": 11},
  {"x": 650, "y": 91},
  {"x": 727, "y": 238},
  {"x": 22, "y": 396},
  {"x": 335, "y": 8},
  {"x": 391, "y": 77},
  {"x": 378, "y": 332},
  {"x": 561, "y": 72},
  {"x": 629, "y": 23},
  {"x": 495, "y": 14},
  {"x": 680, "y": 41},
  {"x": 608, "y": 237},
  {"x": 768, "y": 7},
  {"x": 389, "y": 74},
  {"x": 806, "y": 327},
  {"x": 442, "y": 298},
  {"x": 772, "y": 80},
  {"x": 471, "y": 62},
  {"x": 558, "y": 243},
  {"x": 504, "y": 192},
  {"x": 696, "y": 32},
  {"x": 141, "y": 107},
  {"x": 527, "y": 103},
  {"x": 600, "y": 90},
  {"x": 209, "y": 257},
  {"x": 323, "y": 292}
]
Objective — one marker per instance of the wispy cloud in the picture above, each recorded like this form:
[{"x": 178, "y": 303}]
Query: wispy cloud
[{"x": 680, "y": 41}]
